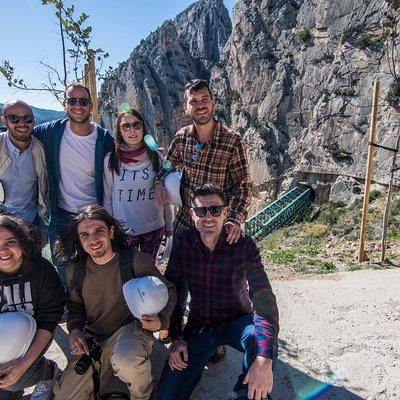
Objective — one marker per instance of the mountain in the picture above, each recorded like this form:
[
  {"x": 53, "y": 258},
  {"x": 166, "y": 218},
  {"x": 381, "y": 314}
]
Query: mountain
[
  {"x": 153, "y": 77},
  {"x": 294, "y": 77},
  {"x": 41, "y": 115}
]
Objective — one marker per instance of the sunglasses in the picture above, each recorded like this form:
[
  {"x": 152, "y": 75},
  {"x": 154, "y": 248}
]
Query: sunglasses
[
  {"x": 126, "y": 126},
  {"x": 201, "y": 212},
  {"x": 27, "y": 119},
  {"x": 83, "y": 101}
]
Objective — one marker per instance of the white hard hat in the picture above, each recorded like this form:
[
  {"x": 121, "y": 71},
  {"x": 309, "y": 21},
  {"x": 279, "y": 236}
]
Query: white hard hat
[
  {"x": 147, "y": 295},
  {"x": 17, "y": 330},
  {"x": 172, "y": 184}
]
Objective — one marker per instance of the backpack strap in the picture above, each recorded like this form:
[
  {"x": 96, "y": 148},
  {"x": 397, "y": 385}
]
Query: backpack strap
[
  {"x": 126, "y": 263},
  {"x": 78, "y": 277}
]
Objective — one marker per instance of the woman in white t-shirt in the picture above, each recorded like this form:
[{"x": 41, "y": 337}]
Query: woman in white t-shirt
[{"x": 129, "y": 171}]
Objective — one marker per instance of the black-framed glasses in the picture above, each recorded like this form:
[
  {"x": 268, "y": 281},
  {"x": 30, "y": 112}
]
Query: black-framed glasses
[
  {"x": 83, "y": 101},
  {"x": 215, "y": 211},
  {"x": 15, "y": 119},
  {"x": 126, "y": 126}
]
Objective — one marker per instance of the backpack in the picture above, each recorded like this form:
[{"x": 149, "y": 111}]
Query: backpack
[{"x": 126, "y": 265}]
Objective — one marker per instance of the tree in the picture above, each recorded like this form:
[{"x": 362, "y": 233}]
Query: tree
[{"x": 75, "y": 51}]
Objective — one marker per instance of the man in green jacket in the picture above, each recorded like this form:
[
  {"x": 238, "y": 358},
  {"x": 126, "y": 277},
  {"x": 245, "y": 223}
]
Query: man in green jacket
[{"x": 74, "y": 149}]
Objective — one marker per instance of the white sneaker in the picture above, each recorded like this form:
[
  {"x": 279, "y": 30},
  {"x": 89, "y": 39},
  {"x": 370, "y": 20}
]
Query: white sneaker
[{"x": 44, "y": 389}]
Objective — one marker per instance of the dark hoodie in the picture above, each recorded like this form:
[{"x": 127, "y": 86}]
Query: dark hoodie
[{"x": 37, "y": 290}]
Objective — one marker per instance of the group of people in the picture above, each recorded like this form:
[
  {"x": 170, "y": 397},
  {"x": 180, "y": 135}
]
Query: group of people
[{"x": 108, "y": 212}]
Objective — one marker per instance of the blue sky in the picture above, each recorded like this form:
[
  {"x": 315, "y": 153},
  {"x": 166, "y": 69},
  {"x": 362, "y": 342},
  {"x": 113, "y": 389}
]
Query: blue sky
[{"x": 29, "y": 34}]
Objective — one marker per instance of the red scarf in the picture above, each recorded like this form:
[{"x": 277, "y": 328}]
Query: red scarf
[{"x": 135, "y": 156}]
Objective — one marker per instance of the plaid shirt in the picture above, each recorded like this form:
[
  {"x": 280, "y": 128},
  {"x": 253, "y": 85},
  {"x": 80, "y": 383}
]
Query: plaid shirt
[
  {"x": 221, "y": 284},
  {"x": 222, "y": 161}
]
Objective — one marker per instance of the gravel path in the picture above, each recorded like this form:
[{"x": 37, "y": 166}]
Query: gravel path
[{"x": 342, "y": 329}]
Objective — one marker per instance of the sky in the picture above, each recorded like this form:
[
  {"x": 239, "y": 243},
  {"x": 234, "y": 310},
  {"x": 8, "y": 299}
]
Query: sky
[{"x": 29, "y": 34}]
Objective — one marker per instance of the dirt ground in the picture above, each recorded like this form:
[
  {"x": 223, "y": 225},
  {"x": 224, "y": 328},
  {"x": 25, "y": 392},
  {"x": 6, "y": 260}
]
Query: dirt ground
[{"x": 339, "y": 339}]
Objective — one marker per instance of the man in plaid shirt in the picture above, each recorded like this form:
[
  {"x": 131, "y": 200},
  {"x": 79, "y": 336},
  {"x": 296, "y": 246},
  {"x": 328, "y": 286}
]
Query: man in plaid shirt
[
  {"x": 232, "y": 303},
  {"x": 208, "y": 152}
]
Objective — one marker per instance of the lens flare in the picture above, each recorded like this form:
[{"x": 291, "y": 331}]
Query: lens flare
[
  {"x": 125, "y": 108},
  {"x": 167, "y": 166},
  {"x": 149, "y": 140},
  {"x": 311, "y": 389}
]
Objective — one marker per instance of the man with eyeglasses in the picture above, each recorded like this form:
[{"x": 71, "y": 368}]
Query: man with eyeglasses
[
  {"x": 231, "y": 303},
  {"x": 74, "y": 148},
  {"x": 23, "y": 174},
  {"x": 208, "y": 152}
]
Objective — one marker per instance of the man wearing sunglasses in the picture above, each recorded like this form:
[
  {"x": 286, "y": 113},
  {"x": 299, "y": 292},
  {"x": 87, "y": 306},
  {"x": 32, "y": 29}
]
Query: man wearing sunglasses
[
  {"x": 232, "y": 303},
  {"x": 74, "y": 149},
  {"x": 23, "y": 174}
]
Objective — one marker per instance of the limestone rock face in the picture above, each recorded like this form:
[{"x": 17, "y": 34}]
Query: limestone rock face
[
  {"x": 153, "y": 77},
  {"x": 297, "y": 80},
  {"x": 294, "y": 77}
]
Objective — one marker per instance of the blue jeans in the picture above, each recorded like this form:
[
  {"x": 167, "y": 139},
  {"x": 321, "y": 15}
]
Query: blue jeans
[
  {"x": 58, "y": 225},
  {"x": 40, "y": 370},
  {"x": 178, "y": 385}
]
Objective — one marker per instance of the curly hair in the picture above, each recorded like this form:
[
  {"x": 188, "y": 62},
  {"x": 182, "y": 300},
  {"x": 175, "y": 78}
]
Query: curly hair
[{"x": 69, "y": 247}]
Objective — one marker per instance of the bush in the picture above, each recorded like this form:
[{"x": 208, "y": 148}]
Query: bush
[
  {"x": 315, "y": 230},
  {"x": 304, "y": 36}
]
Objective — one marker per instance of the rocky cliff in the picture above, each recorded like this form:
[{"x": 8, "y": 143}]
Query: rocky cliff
[
  {"x": 294, "y": 77},
  {"x": 153, "y": 77}
]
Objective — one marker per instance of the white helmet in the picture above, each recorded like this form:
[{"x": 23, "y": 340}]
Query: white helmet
[
  {"x": 172, "y": 185},
  {"x": 17, "y": 330},
  {"x": 147, "y": 295}
]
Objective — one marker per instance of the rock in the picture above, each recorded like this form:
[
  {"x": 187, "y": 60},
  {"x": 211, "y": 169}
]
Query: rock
[
  {"x": 294, "y": 77},
  {"x": 346, "y": 190}
]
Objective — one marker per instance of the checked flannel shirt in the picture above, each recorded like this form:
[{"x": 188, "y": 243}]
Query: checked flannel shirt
[
  {"x": 222, "y": 161},
  {"x": 224, "y": 284}
]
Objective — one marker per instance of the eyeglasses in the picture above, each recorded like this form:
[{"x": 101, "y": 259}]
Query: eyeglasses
[
  {"x": 201, "y": 212},
  {"x": 83, "y": 101},
  {"x": 27, "y": 119},
  {"x": 126, "y": 126}
]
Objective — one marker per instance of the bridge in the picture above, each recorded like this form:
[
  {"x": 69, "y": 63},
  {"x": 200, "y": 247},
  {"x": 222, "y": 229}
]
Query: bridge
[{"x": 286, "y": 209}]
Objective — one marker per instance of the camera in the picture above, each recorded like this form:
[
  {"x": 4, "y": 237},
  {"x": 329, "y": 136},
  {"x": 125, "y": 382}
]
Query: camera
[{"x": 86, "y": 361}]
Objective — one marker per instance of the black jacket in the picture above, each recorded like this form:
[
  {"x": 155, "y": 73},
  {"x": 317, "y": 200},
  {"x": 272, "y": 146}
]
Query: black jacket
[{"x": 37, "y": 290}]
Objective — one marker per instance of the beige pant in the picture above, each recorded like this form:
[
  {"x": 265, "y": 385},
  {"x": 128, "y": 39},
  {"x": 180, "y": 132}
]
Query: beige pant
[{"x": 126, "y": 353}]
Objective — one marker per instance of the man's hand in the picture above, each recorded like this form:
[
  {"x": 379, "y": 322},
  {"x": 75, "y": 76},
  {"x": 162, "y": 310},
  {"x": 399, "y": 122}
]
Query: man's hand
[
  {"x": 234, "y": 231},
  {"x": 77, "y": 342},
  {"x": 259, "y": 378},
  {"x": 150, "y": 322},
  {"x": 160, "y": 194},
  {"x": 178, "y": 355},
  {"x": 12, "y": 371}
]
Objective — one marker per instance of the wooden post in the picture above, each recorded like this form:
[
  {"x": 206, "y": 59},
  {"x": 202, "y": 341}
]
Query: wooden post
[
  {"x": 93, "y": 90},
  {"x": 362, "y": 256},
  {"x": 86, "y": 76},
  {"x": 388, "y": 200}
]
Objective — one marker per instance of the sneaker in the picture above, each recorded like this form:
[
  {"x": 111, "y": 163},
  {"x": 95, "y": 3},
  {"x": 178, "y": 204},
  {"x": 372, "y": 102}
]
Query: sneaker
[
  {"x": 219, "y": 355},
  {"x": 44, "y": 389}
]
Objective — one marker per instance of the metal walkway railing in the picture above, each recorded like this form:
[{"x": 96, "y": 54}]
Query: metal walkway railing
[{"x": 290, "y": 207}]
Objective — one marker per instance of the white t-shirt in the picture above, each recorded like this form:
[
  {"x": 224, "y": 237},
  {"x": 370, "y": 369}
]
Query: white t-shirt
[{"x": 77, "y": 187}]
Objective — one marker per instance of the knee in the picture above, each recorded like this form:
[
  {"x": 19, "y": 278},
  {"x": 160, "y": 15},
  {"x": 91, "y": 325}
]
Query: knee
[{"x": 123, "y": 362}]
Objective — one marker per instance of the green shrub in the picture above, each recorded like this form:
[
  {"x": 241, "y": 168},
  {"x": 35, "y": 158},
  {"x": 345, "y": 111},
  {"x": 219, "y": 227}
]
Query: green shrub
[{"x": 304, "y": 36}]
